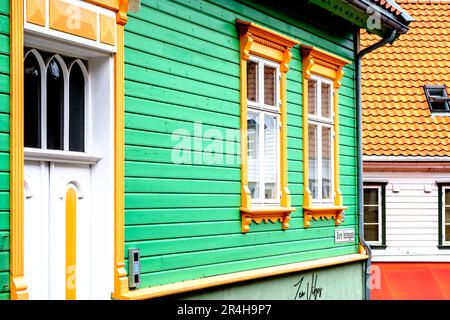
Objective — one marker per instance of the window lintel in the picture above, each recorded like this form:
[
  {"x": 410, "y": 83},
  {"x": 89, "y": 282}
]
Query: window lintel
[{"x": 322, "y": 63}]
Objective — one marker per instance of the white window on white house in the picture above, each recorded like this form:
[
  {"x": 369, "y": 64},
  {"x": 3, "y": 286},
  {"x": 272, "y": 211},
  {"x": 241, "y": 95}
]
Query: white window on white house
[
  {"x": 263, "y": 125},
  {"x": 54, "y": 102},
  {"x": 321, "y": 139},
  {"x": 446, "y": 216},
  {"x": 373, "y": 208}
]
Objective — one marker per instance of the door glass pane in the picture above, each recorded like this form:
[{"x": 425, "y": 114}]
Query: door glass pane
[
  {"x": 326, "y": 100},
  {"x": 370, "y": 214},
  {"x": 312, "y": 98},
  {"x": 76, "y": 109},
  {"x": 55, "y": 106},
  {"x": 253, "y": 153},
  {"x": 32, "y": 102},
  {"x": 371, "y": 232},
  {"x": 252, "y": 81},
  {"x": 270, "y": 156},
  {"x": 313, "y": 161},
  {"x": 371, "y": 196},
  {"x": 326, "y": 163},
  {"x": 270, "y": 85}
]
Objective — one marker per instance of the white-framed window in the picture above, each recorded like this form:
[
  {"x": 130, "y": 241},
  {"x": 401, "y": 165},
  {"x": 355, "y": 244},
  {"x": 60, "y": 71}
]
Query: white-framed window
[
  {"x": 55, "y": 101},
  {"x": 263, "y": 126},
  {"x": 321, "y": 139},
  {"x": 445, "y": 240},
  {"x": 373, "y": 214}
]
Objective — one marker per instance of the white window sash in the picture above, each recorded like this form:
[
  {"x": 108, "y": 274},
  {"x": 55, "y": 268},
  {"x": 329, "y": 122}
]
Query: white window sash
[
  {"x": 261, "y": 109},
  {"x": 321, "y": 122},
  {"x": 444, "y": 206},
  {"x": 379, "y": 205}
]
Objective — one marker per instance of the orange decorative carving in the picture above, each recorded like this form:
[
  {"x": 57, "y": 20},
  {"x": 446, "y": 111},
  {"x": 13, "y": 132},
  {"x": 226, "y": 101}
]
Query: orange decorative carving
[{"x": 266, "y": 214}]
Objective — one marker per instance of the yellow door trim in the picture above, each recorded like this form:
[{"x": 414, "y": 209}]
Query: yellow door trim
[
  {"x": 71, "y": 244},
  {"x": 18, "y": 287},
  {"x": 17, "y": 282}
]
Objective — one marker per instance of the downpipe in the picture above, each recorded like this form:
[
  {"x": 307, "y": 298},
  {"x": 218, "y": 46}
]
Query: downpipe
[{"x": 359, "y": 55}]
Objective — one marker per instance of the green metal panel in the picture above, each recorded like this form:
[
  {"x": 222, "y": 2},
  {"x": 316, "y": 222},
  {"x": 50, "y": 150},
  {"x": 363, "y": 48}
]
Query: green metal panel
[
  {"x": 4, "y": 150},
  {"x": 334, "y": 283},
  {"x": 182, "y": 68}
]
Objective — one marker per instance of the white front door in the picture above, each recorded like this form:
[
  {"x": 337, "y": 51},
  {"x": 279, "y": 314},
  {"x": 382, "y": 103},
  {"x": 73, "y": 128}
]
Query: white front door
[{"x": 57, "y": 230}]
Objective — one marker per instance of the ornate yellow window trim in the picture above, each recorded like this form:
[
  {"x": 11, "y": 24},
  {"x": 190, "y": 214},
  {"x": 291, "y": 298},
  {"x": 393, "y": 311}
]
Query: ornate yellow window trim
[
  {"x": 326, "y": 65},
  {"x": 17, "y": 283},
  {"x": 261, "y": 42}
]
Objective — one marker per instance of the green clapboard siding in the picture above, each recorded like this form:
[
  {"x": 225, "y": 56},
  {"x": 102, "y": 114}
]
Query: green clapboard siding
[
  {"x": 4, "y": 150},
  {"x": 182, "y": 74}
]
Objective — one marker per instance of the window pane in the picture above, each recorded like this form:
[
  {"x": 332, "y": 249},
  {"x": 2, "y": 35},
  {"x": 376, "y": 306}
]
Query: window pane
[
  {"x": 447, "y": 233},
  {"x": 447, "y": 215},
  {"x": 326, "y": 100},
  {"x": 270, "y": 156},
  {"x": 55, "y": 106},
  {"x": 252, "y": 81},
  {"x": 312, "y": 99},
  {"x": 313, "y": 161},
  {"x": 76, "y": 109},
  {"x": 32, "y": 102},
  {"x": 326, "y": 163},
  {"x": 371, "y": 232},
  {"x": 447, "y": 197},
  {"x": 370, "y": 214},
  {"x": 371, "y": 196},
  {"x": 253, "y": 153},
  {"x": 270, "y": 85}
]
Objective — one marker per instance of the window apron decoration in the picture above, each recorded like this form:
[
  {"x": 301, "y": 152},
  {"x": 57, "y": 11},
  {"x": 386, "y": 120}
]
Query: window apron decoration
[{"x": 66, "y": 231}]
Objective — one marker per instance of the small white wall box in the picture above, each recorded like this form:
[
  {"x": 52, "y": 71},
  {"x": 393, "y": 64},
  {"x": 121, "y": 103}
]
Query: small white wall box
[
  {"x": 396, "y": 188},
  {"x": 427, "y": 188},
  {"x": 134, "y": 268},
  {"x": 134, "y": 5}
]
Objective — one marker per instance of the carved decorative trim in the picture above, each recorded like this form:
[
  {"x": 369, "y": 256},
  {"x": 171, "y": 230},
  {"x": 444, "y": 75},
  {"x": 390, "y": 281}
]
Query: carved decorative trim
[
  {"x": 324, "y": 64},
  {"x": 262, "y": 42}
]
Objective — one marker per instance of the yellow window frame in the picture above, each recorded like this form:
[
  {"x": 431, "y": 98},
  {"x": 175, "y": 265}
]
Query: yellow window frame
[
  {"x": 262, "y": 42},
  {"x": 326, "y": 65}
]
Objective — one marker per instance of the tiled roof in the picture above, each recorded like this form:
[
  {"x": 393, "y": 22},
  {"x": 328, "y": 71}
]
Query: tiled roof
[{"x": 396, "y": 118}]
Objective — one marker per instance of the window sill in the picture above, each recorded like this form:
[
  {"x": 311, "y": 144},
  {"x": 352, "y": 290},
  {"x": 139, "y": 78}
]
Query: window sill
[
  {"x": 444, "y": 247},
  {"x": 378, "y": 246},
  {"x": 266, "y": 213},
  {"x": 317, "y": 212},
  {"x": 59, "y": 156}
]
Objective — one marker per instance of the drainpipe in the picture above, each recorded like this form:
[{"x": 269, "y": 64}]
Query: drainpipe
[{"x": 359, "y": 55}]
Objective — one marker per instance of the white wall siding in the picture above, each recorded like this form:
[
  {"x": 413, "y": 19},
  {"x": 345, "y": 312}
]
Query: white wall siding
[{"x": 412, "y": 221}]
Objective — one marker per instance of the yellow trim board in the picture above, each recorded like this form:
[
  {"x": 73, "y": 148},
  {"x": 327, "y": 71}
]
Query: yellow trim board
[
  {"x": 208, "y": 282},
  {"x": 17, "y": 281},
  {"x": 262, "y": 42}
]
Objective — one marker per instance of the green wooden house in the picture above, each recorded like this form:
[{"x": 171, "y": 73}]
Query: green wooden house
[{"x": 196, "y": 148}]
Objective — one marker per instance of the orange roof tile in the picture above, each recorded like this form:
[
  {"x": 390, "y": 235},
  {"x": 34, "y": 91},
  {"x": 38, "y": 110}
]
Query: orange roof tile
[{"x": 396, "y": 118}]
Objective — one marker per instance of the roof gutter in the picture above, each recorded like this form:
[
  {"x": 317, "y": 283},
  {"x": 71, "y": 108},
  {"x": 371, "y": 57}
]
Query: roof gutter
[
  {"x": 359, "y": 54},
  {"x": 388, "y": 20}
]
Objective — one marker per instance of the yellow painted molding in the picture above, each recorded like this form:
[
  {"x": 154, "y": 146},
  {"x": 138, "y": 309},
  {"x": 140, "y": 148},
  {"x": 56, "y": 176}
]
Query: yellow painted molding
[
  {"x": 208, "y": 282},
  {"x": 71, "y": 244},
  {"x": 107, "y": 30},
  {"x": 72, "y": 19},
  {"x": 265, "y": 43},
  {"x": 36, "y": 12},
  {"x": 122, "y": 17},
  {"x": 107, "y": 4},
  {"x": 120, "y": 274},
  {"x": 327, "y": 65},
  {"x": 19, "y": 290}
]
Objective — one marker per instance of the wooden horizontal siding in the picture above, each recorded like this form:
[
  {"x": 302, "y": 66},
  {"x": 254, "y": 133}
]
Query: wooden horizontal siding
[
  {"x": 4, "y": 150},
  {"x": 182, "y": 66}
]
